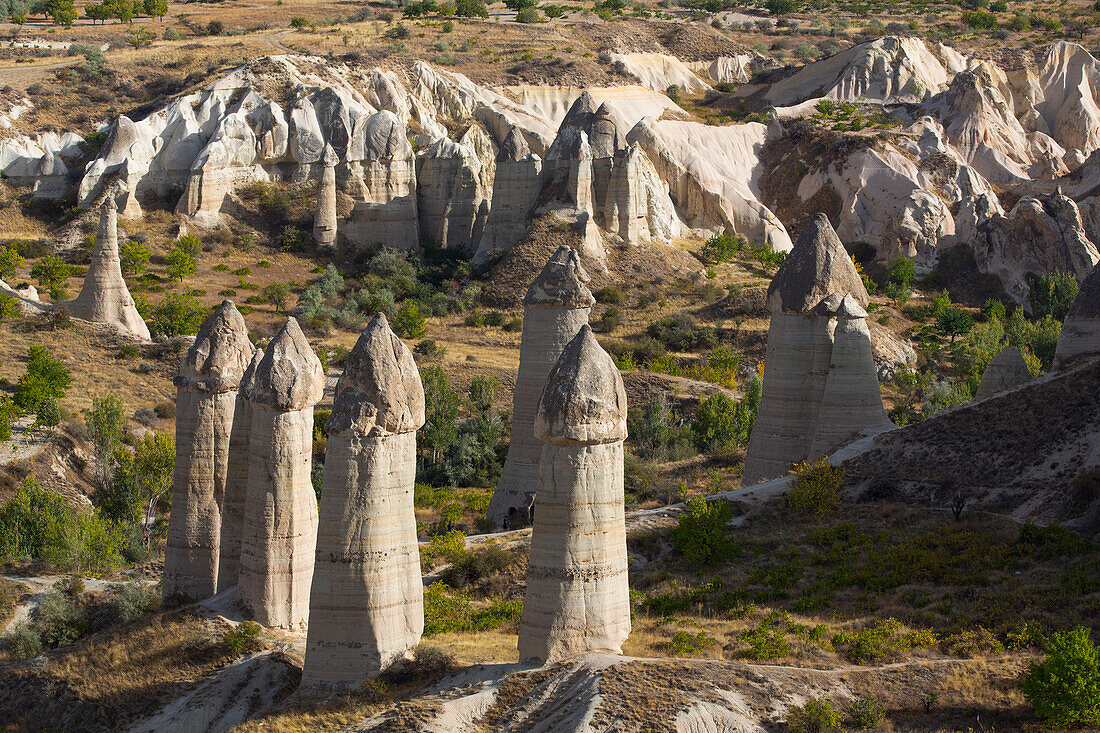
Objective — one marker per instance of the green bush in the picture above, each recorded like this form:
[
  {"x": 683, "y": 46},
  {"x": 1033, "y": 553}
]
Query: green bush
[
  {"x": 903, "y": 272},
  {"x": 816, "y": 716},
  {"x": 10, "y": 261},
  {"x": 9, "y": 307},
  {"x": 1065, "y": 687},
  {"x": 52, "y": 273},
  {"x": 46, "y": 378},
  {"x": 716, "y": 426},
  {"x": 178, "y": 314},
  {"x": 683, "y": 643},
  {"x": 23, "y": 641},
  {"x": 610, "y": 294},
  {"x": 722, "y": 248},
  {"x": 816, "y": 488},
  {"x": 134, "y": 257},
  {"x": 1052, "y": 294},
  {"x": 701, "y": 535},
  {"x": 864, "y": 712},
  {"x": 410, "y": 322},
  {"x": 49, "y": 414},
  {"x": 980, "y": 20},
  {"x": 529, "y": 15},
  {"x": 9, "y": 413},
  {"x": 243, "y": 639}
]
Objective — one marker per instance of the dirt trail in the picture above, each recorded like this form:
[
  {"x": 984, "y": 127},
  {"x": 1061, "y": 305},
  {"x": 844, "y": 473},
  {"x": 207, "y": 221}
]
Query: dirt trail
[{"x": 22, "y": 76}]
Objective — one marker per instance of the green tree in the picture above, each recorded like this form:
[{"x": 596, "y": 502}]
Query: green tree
[
  {"x": 9, "y": 413},
  {"x": 106, "y": 422},
  {"x": 49, "y": 414},
  {"x": 154, "y": 460},
  {"x": 32, "y": 519},
  {"x": 483, "y": 393},
  {"x": 410, "y": 322},
  {"x": 722, "y": 248},
  {"x": 9, "y": 306},
  {"x": 178, "y": 314},
  {"x": 134, "y": 257},
  {"x": 10, "y": 262},
  {"x": 715, "y": 426},
  {"x": 1052, "y": 294},
  {"x": 277, "y": 294},
  {"x": 156, "y": 8},
  {"x": 471, "y": 9},
  {"x": 1065, "y": 687},
  {"x": 180, "y": 263},
  {"x": 954, "y": 322},
  {"x": 903, "y": 272},
  {"x": 701, "y": 535},
  {"x": 518, "y": 5},
  {"x": 46, "y": 378},
  {"x": 780, "y": 8},
  {"x": 51, "y": 273},
  {"x": 441, "y": 404}
]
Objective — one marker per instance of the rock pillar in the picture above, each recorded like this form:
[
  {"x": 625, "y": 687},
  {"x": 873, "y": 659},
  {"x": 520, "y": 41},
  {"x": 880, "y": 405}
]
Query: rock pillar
[
  {"x": 279, "y": 534},
  {"x": 555, "y": 308},
  {"x": 1079, "y": 339},
  {"x": 1008, "y": 370},
  {"x": 578, "y": 599},
  {"x": 324, "y": 220},
  {"x": 205, "y": 401},
  {"x": 366, "y": 607}
]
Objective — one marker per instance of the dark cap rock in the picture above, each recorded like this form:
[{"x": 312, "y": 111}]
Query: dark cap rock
[{"x": 584, "y": 402}]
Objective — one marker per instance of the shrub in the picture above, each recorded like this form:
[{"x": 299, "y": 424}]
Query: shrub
[
  {"x": 1065, "y": 687},
  {"x": 529, "y": 15},
  {"x": 680, "y": 332},
  {"x": 244, "y": 638},
  {"x": 46, "y": 378},
  {"x": 701, "y": 535},
  {"x": 10, "y": 261},
  {"x": 165, "y": 410},
  {"x": 765, "y": 643},
  {"x": 410, "y": 322},
  {"x": 136, "y": 599},
  {"x": 178, "y": 314},
  {"x": 972, "y": 643},
  {"x": 610, "y": 294},
  {"x": 954, "y": 321},
  {"x": 903, "y": 272},
  {"x": 23, "y": 641},
  {"x": 722, "y": 248},
  {"x": 51, "y": 273},
  {"x": 980, "y": 20},
  {"x": 864, "y": 712},
  {"x": 49, "y": 414},
  {"x": 471, "y": 9},
  {"x": 1052, "y": 294},
  {"x": 716, "y": 426},
  {"x": 684, "y": 643},
  {"x": 816, "y": 487},
  {"x": 817, "y": 715},
  {"x": 9, "y": 413},
  {"x": 9, "y": 307},
  {"x": 134, "y": 257}
]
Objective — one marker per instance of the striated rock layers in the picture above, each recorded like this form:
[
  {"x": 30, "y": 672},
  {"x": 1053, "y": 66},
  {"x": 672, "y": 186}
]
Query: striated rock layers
[
  {"x": 324, "y": 220},
  {"x": 555, "y": 308},
  {"x": 236, "y": 481},
  {"x": 1080, "y": 336},
  {"x": 104, "y": 298},
  {"x": 366, "y": 607},
  {"x": 205, "y": 402},
  {"x": 516, "y": 187},
  {"x": 816, "y": 286},
  {"x": 577, "y": 598},
  {"x": 279, "y": 533},
  {"x": 1008, "y": 370}
]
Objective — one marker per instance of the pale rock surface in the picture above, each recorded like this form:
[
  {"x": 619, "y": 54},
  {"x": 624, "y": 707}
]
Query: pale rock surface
[
  {"x": 729, "y": 69},
  {"x": 556, "y": 307},
  {"x": 366, "y": 606},
  {"x": 799, "y": 352},
  {"x": 658, "y": 72},
  {"x": 42, "y": 161},
  {"x": 516, "y": 187},
  {"x": 1080, "y": 336},
  {"x": 578, "y": 599},
  {"x": 637, "y": 207},
  {"x": 236, "y": 481},
  {"x": 324, "y": 220},
  {"x": 387, "y": 213},
  {"x": 26, "y": 298},
  {"x": 104, "y": 297},
  {"x": 206, "y": 398},
  {"x": 1008, "y": 370},
  {"x": 279, "y": 533},
  {"x": 627, "y": 105},
  {"x": 453, "y": 199}
]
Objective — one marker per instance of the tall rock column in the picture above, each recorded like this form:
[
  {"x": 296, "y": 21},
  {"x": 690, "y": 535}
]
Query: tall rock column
[
  {"x": 578, "y": 598},
  {"x": 555, "y": 308},
  {"x": 205, "y": 402},
  {"x": 799, "y": 350},
  {"x": 279, "y": 534},
  {"x": 516, "y": 187},
  {"x": 324, "y": 220},
  {"x": 366, "y": 608},
  {"x": 1008, "y": 370},
  {"x": 1079, "y": 339},
  {"x": 104, "y": 297},
  {"x": 236, "y": 481}
]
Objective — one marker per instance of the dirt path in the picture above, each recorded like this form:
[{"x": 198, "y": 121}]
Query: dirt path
[{"x": 22, "y": 76}]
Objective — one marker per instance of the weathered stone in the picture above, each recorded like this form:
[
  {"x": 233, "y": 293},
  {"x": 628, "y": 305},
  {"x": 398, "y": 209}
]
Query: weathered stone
[
  {"x": 279, "y": 534},
  {"x": 366, "y": 606},
  {"x": 205, "y": 402},
  {"x": 555, "y": 308},
  {"x": 1080, "y": 336},
  {"x": 324, "y": 221},
  {"x": 578, "y": 598},
  {"x": 516, "y": 187},
  {"x": 236, "y": 481},
  {"x": 1008, "y": 370},
  {"x": 104, "y": 298}
]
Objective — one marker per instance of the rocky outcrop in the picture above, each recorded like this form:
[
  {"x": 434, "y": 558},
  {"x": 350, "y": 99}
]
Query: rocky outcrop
[
  {"x": 279, "y": 533},
  {"x": 452, "y": 200},
  {"x": 236, "y": 481},
  {"x": 1079, "y": 339},
  {"x": 516, "y": 187},
  {"x": 805, "y": 299},
  {"x": 659, "y": 71},
  {"x": 205, "y": 401},
  {"x": 366, "y": 607},
  {"x": 42, "y": 162},
  {"x": 1008, "y": 370},
  {"x": 555, "y": 309},
  {"x": 104, "y": 298},
  {"x": 26, "y": 298},
  {"x": 386, "y": 212},
  {"x": 324, "y": 220},
  {"x": 577, "y": 598}
]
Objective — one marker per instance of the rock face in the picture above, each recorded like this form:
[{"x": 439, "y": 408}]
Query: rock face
[
  {"x": 279, "y": 534},
  {"x": 814, "y": 376},
  {"x": 386, "y": 214},
  {"x": 516, "y": 187},
  {"x": 453, "y": 201},
  {"x": 104, "y": 298},
  {"x": 577, "y": 598},
  {"x": 236, "y": 481},
  {"x": 366, "y": 607},
  {"x": 555, "y": 309},
  {"x": 205, "y": 401},
  {"x": 1080, "y": 336},
  {"x": 1008, "y": 370},
  {"x": 324, "y": 221}
]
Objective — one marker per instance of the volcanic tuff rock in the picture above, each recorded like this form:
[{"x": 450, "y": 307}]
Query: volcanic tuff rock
[
  {"x": 279, "y": 533},
  {"x": 577, "y": 599},
  {"x": 366, "y": 606},
  {"x": 324, "y": 221},
  {"x": 1008, "y": 370},
  {"x": 555, "y": 309},
  {"x": 1080, "y": 335},
  {"x": 516, "y": 187},
  {"x": 236, "y": 480},
  {"x": 205, "y": 402},
  {"x": 104, "y": 297}
]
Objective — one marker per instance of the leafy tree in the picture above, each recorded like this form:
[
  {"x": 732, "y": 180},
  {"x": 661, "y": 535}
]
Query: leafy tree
[
  {"x": 722, "y": 248},
  {"x": 1065, "y": 687},
  {"x": 981, "y": 20},
  {"x": 954, "y": 321},
  {"x": 177, "y": 315},
  {"x": 1039, "y": 337},
  {"x": 46, "y": 378},
  {"x": 119, "y": 500},
  {"x": 529, "y": 15},
  {"x": 483, "y": 393},
  {"x": 518, "y": 5},
  {"x": 780, "y": 7},
  {"x": 52, "y": 273},
  {"x": 9, "y": 306},
  {"x": 903, "y": 272},
  {"x": 10, "y": 261},
  {"x": 154, "y": 460},
  {"x": 1052, "y": 294},
  {"x": 105, "y": 421},
  {"x": 180, "y": 263},
  {"x": 410, "y": 322},
  {"x": 716, "y": 425},
  {"x": 651, "y": 430},
  {"x": 471, "y": 9},
  {"x": 701, "y": 535},
  {"x": 134, "y": 257},
  {"x": 49, "y": 414},
  {"x": 748, "y": 408},
  {"x": 9, "y": 413},
  {"x": 156, "y": 8},
  {"x": 277, "y": 294},
  {"x": 31, "y": 520},
  {"x": 441, "y": 404}
]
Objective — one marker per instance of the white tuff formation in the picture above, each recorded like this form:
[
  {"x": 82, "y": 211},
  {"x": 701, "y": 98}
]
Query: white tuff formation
[
  {"x": 366, "y": 607},
  {"x": 799, "y": 355},
  {"x": 578, "y": 598},
  {"x": 555, "y": 308},
  {"x": 1008, "y": 370},
  {"x": 104, "y": 298},
  {"x": 236, "y": 481},
  {"x": 1080, "y": 336},
  {"x": 386, "y": 214},
  {"x": 279, "y": 534},
  {"x": 516, "y": 187},
  {"x": 205, "y": 400},
  {"x": 324, "y": 221}
]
